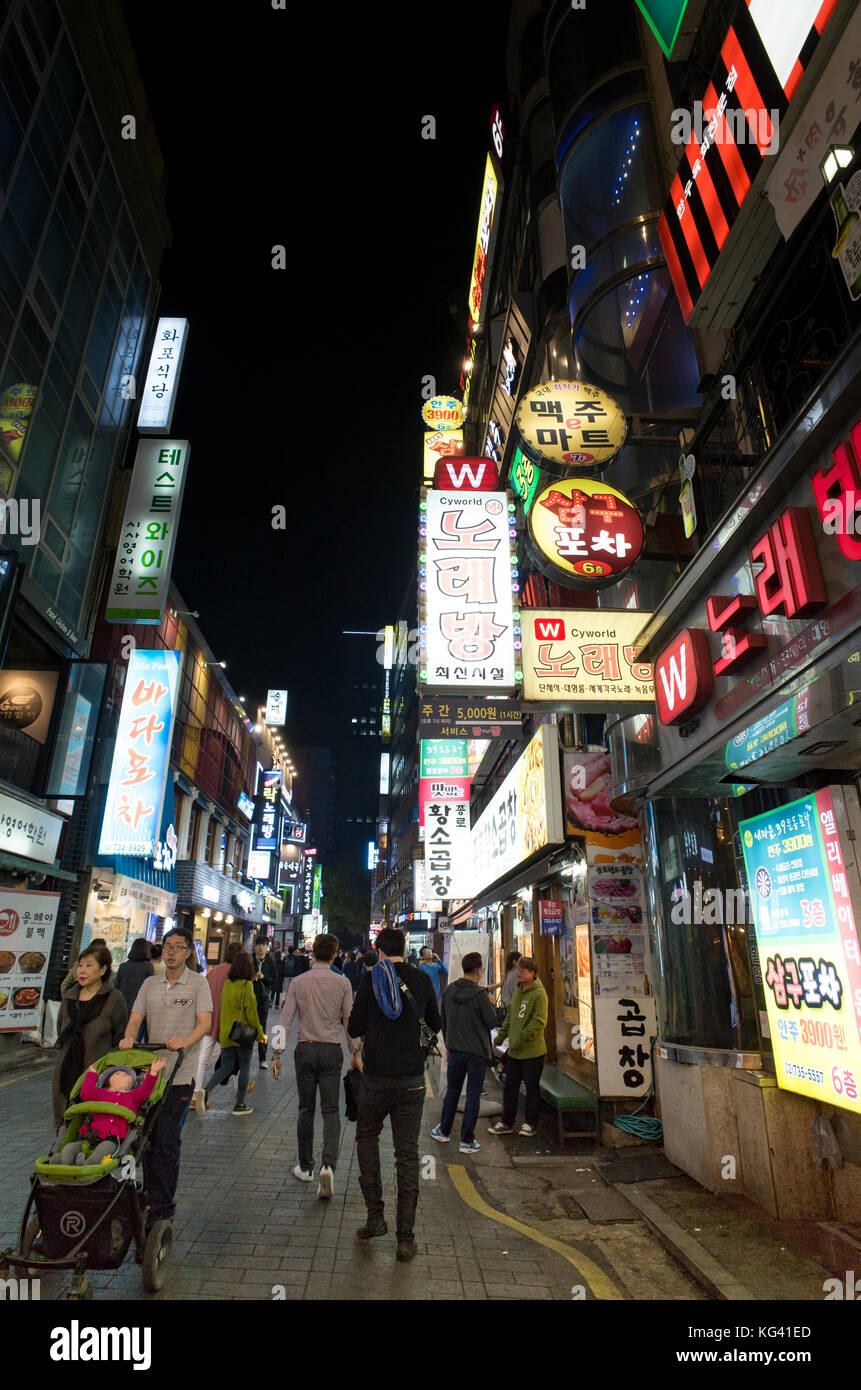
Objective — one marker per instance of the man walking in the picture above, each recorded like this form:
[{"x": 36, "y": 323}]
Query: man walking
[
  {"x": 467, "y": 1018},
  {"x": 524, "y": 1027},
  {"x": 177, "y": 1010},
  {"x": 394, "y": 1081},
  {"x": 264, "y": 986},
  {"x": 321, "y": 999}
]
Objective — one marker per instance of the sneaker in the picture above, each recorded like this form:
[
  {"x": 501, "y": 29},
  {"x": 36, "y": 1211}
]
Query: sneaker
[
  {"x": 406, "y": 1249},
  {"x": 471, "y": 1148},
  {"x": 242, "y": 1110},
  {"x": 500, "y": 1128},
  {"x": 264, "y": 1066},
  {"x": 327, "y": 1179},
  {"x": 441, "y": 1138},
  {"x": 303, "y": 1174},
  {"x": 527, "y": 1131},
  {"x": 199, "y": 1101},
  {"x": 374, "y": 1226}
]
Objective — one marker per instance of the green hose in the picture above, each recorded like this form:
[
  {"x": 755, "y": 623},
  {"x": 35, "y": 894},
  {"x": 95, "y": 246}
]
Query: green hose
[{"x": 642, "y": 1126}]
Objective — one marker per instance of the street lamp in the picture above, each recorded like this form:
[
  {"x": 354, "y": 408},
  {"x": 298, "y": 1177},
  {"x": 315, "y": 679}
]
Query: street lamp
[{"x": 836, "y": 157}]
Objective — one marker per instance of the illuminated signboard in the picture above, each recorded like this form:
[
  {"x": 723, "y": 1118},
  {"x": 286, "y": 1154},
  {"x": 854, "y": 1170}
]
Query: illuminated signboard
[
  {"x": 439, "y": 445},
  {"x": 664, "y": 18},
  {"x": 584, "y": 657},
  {"x": 258, "y": 864},
  {"x": 525, "y": 478},
  {"x": 569, "y": 424},
  {"x": 443, "y": 414},
  {"x": 246, "y": 806},
  {"x": 482, "y": 240},
  {"x": 466, "y": 475},
  {"x": 141, "y": 752},
  {"x": 165, "y": 364},
  {"x": 448, "y": 849},
  {"x": 762, "y": 60},
  {"x": 276, "y": 707},
  {"x": 524, "y": 814},
  {"x": 804, "y": 888},
  {"x": 582, "y": 531},
  {"x": 294, "y": 832},
  {"x": 268, "y": 811},
  {"x": 139, "y": 586},
  {"x": 467, "y": 607},
  {"x": 385, "y": 761}
]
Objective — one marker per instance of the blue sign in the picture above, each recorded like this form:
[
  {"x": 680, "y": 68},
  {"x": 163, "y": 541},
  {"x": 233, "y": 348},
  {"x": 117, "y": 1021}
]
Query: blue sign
[
  {"x": 246, "y": 805},
  {"x": 141, "y": 755}
]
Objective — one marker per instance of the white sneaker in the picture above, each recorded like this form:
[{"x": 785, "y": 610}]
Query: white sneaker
[
  {"x": 199, "y": 1101},
  {"x": 500, "y": 1128},
  {"x": 527, "y": 1131},
  {"x": 326, "y": 1184},
  {"x": 303, "y": 1176},
  {"x": 264, "y": 1066}
]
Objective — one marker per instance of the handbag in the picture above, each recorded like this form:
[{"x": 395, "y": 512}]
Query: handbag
[
  {"x": 428, "y": 1038},
  {"x": 352, "y": 1089},
  {"x": 242, "y": 1033}
]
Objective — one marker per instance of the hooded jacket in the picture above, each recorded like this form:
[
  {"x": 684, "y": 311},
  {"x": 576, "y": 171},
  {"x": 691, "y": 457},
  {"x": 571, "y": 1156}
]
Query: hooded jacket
[
  {"x": 525, "y": 1022},
  {"x": 467, "y": 1018}
]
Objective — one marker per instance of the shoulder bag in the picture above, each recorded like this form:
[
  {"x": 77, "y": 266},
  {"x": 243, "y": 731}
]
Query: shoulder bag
[
  {"x": 243, "y": 1033},
  {"x": 428, "y": 1037}
]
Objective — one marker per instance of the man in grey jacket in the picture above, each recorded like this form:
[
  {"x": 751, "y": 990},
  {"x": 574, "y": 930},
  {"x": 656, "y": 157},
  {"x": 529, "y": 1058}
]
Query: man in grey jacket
[{"x": 467, "y": 1019}]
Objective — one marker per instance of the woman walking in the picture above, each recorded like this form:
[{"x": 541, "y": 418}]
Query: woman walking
[
  {"x": 238, "y": 1014},
  {"x": 134, "y": 971},
  {"x": 93, "y": 1017}
]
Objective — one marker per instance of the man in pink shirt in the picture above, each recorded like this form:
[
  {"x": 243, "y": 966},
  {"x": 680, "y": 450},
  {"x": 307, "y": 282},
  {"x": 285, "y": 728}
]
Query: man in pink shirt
[{"x": 322, "y": 1000}]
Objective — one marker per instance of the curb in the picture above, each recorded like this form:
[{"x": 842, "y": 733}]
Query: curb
[{"x": 718, "y": 1281}]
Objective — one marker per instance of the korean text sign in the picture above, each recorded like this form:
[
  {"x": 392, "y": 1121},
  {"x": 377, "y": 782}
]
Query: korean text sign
[
  {"x": 585, "y": 657},
  {"x": 466, "y": 595},
  {"x": 448, "y": 854},
  {"x": 165, "y": 364},
  {"x": 27, "y": 922},
  {"x": 802, "y": 876},
  {"x": 144, "y": 559},
  {"x": 141, "y": 752},
  {"x": 523, "y": 816}
]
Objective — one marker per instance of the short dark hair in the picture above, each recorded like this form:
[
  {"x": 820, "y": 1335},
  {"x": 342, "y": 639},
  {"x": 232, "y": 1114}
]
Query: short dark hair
[
  {"x": 425, "y": 948},
  {"x": 391, "y": 942},
  {"x": 511, "y": 960},
  {"x": 527, "y": 963},
  {"x": 231, "y": 951},
  {"x": 98, "y": 941},
  {"x": 242, "y": 967},
  {"x": 291, "y": 950},
  {"x": 155, "y": 950},
  {"x": 261, "y": 941},
  {"x": 179, "y": 931},
  {"x": 102, "y": 955},
  {"x": 472, "y": 961},
  {"x": 325, "y": 947},
  {"x": 370, "y": 959},
  {"x": 140, "y": 949}
]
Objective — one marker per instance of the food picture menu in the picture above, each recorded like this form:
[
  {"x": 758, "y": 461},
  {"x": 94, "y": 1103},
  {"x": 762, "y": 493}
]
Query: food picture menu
[
  {"x": 27, "y": 922},
  {"x": 618, "y": 930}
]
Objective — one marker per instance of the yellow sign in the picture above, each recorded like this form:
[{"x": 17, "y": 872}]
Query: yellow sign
[
  {"x": 443, "y": 413},
  {"x": 587, "y": 532},
  {"x": 571, "y": 424},
  {"x": 438, "y": 446},
  {"x": 584, "y": 657},
  {"x": 16, "y": 407},
  {"x": 482, "y": 241}
]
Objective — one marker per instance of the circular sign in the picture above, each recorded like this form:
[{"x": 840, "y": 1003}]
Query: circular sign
[
  {"x": 17, "y": 401},
  {"x": 9, "y": 921},
  {"x": 72, "y": 1223},
  {"x": 584, "y": 532},
  {"x": 762, "y": 883},
  {"x": 20, "y": 705},
  {"x": 571, "y": 424},
  {"x": 443, "y": 413}
]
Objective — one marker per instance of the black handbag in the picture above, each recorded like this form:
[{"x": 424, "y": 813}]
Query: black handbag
[
  {"x": 242, "y": 1033},
  {"x": 428, "y": 1037},
  {"x": 352, "y": 1090}
]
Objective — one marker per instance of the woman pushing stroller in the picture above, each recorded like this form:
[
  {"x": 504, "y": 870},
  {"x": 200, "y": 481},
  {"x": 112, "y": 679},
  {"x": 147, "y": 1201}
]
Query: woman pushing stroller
[{"x": 116, "y": 1086}]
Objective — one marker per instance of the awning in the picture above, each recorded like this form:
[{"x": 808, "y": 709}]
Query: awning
[
  {"x": 35, "y": 866},
  {"x": 505, "y": 888}
]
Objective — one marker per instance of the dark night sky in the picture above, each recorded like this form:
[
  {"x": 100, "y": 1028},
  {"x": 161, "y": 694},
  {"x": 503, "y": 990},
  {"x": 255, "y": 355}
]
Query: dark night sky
[{"x": 302, "y": 386}]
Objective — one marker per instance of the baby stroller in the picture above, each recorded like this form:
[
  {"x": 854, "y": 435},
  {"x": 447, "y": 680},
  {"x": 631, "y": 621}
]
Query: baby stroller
[{"x": 87, "y": 1216}]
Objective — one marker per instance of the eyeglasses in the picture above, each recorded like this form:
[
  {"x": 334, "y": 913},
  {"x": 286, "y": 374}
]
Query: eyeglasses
[{"x": 176, "y": 948}]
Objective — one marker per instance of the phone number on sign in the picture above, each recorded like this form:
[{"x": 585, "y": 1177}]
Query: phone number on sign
[{"x": 804, "y": 1073}]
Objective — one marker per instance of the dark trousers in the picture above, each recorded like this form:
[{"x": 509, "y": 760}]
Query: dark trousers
[
  {"x": 401, "y": 1098},
  {"x": 463, "y": 1066},
  {"x": 528, "y": 1070},
  {"x": 318, "y": 1065},
  {"x": 261, "y": 1047},
  {"x": 162, "y": 1160},
  {"x": 234, "y": 1058}
]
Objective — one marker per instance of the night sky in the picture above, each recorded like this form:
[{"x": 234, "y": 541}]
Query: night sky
[{"x": 303, "y": 386}]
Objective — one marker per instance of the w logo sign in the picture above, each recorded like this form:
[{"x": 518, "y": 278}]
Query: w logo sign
[
  {"x": 683, "y": 677},
  {"x": 465, "y": 475},
  {"x": 550, "y": 629}
]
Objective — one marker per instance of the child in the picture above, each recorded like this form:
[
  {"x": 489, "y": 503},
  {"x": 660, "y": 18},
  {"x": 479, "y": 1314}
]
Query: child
[{"x": 121, "y": 1089}]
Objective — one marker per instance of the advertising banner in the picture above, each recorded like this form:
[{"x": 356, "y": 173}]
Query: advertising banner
[
  {"x": 523, "y": 816},
  {"x": 466, "y": 592},
  {"x": 28, "y": 830},
  {"x": 141, "y": 753},
  {"x": 438, "y": 445},
  {"x": 443, "y": 757},
  {"x": 550, "y": 917},
  {"x": 571, "y": 425},
  {"x": 585, "y": 659},
  {"x": 165, "y": 364},
  {"x": 441, "y": 789},
  {"x": 258, "y": 864},
  {"x": 588, "y": 784},
  {"x": 624, "y": 1010},
  {"x": 582, "y": 531},
  {"x": 448, "y": 849},
  {"x": 27, "y": 701},
  {"x": 27, "y": 922},
  {"x": 276, "y": 707},
  {"x": 468, "y": 718},
  {"x": 804, "y": 890},
  {"x": 482, "y": 240},
  {"x": 144, "y": 559}
]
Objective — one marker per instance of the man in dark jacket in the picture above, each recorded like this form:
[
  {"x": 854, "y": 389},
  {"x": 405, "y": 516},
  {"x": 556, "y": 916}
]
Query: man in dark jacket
[
  {"x": 467, "y": 1019},
  {"x": 264, "y": 987},
  {"x": 393, "y": 1085}
]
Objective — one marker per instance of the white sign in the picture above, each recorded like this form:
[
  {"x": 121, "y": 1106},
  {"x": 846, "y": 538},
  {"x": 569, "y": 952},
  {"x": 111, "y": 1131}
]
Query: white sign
[
  {"x": 385, "y": 759},
  {"x": 165, "y": 364},
  {"x": 796, "y": 180},
  {"x": 276, "y": 707},
  {"x": 421, "y": 903},
  {"x": 466, "y": 599},
  {"x": 624, "y": 1028},
  {"x": 258, "y": 864},
  {"x": 448, "y": 849},
  {"x": 28, "y": 830},
  {"x": 210, "y": 894},
  {"x": 139, "y": 587},
  {"x": 585, "y": 657},
  {"x": 524, "y": 815},
  {"x": 27, "y": 922}
]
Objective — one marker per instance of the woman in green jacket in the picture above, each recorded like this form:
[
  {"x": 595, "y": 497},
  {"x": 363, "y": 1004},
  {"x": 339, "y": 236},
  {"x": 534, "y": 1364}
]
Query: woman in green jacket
[{"x": 238, "y": 1005}]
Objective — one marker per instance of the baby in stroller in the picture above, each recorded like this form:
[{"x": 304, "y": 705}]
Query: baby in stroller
[{"x": 117, "y": 1086}]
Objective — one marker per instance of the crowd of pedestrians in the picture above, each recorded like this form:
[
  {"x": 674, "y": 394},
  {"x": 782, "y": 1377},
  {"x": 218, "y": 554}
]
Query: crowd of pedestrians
[{"x": 388, "y": 1011}]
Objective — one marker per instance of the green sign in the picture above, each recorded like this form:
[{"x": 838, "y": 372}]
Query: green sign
[
  {"x": 444, "y": 757},
  {"x": 318, "y": 888},
  {"x": 664, "y": 18},
  {"x": 779, "y": 726},
  {"x": 524, "y": 476}
]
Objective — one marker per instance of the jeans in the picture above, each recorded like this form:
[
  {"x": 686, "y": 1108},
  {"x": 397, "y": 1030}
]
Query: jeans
[
  {"x": 318, "y": 1064},
  {"x": 402, "y": 1099},
  {"x": 528, "y": 1070},
  {"x": 162, "y": 1160},
  {"x": 227, "y": 1066},
  {"x": 463, "y": 1066}
]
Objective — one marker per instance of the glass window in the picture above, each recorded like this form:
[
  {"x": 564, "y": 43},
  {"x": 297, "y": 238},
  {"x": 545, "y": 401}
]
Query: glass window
[
  {"x": 46, "y": 145},
  {"x": 54, "y": 541},
  {"x": 30, "y": 198},
  {"x": 109, "y": 192},
  {"x": 102, "y": 225},
  {"x": 606, "y": 180},
  {"x": 125, "y": 237},
  {"x": 11, "y": 135},
  {"x": 18, "y": 77},
  {"x": 79, "y": 306},
  {"x": 99, "y": 346},
  {"x": 90, "y": 136},
  {"x": 66, "y": 70},
  {"x": 69, "y": 475},
  {"x": 14, "y": 247},
  {"x": 48, "y": 19},
  {"x": 45, "y": 573},
  {"x": 26, "y": 356},
  {"x": 70, "y": 597},
  {"x": 61, "y": 380},
  {"x": 89, "y": 389},
  {"x": 71, "y": 205},
  {"x": 44, "y": 299},
  {"x": 7, "y": 319},
  {"x": 39, "y": 454},
  {"x": 33, "y": 37},
  {"x": 56, "y": 258},
  {"x": 74, "y": 744},
  {"x": 60, "y": 113}
]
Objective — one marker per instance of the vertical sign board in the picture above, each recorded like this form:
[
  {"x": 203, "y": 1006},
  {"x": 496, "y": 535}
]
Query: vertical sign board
[
  {"x": 804, "y": 891},
  {"x": 165, "y": 364},
  {"x": 482, "y": 240},
  {"x": 141, "y": 753},
  {"x": 448, "y": 850},
  {"x": 266, "y": 837},
  {"x": 27, "y": 922},
  {"x": 276, "y": 707},
  {"x": 139, "y": 586},
  {"x": 468, "y": 619},
  {"x": 551, "y": 915}
]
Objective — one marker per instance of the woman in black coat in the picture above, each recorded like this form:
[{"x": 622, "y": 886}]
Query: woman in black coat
[
  {"x": 93, "y": 1018},
  {"x": 134, "y": 971}
]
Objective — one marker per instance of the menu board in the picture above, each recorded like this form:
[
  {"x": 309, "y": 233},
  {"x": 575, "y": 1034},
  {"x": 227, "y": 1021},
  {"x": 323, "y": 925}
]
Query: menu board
[
  {"x": 625, "y": 1019},
  {"x": 804, "y": 894},
  {"x": 27, "y": 922}
]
